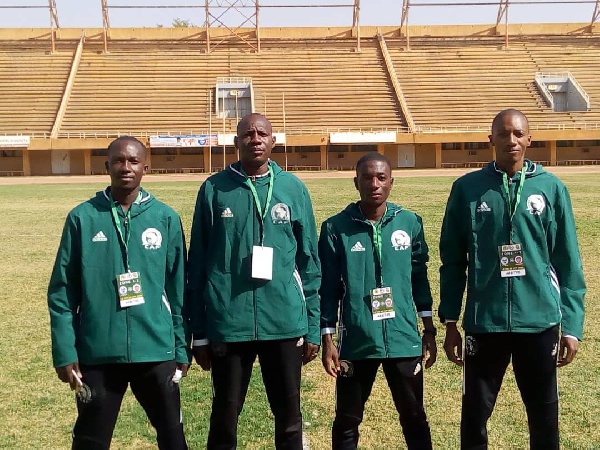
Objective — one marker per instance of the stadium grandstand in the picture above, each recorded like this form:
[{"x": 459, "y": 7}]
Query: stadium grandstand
[{"x": 422, "y": 95}]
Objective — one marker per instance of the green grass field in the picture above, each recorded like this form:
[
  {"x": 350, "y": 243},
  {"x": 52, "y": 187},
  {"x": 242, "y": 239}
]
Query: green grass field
[{"x": 37, "y": 411}]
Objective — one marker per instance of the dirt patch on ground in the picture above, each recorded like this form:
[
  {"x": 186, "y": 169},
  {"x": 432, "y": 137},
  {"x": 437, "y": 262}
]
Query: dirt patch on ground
[{"x": 399, "y": 173}]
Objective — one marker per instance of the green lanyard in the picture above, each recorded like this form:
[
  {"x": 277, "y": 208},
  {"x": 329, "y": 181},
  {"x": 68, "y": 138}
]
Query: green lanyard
[
  {"x": 513, "y": 210},
  {"x": 377, "y": 245},
  {"x": 123, "y": 237},
  {"x": 378, "y": 249},
  {"x": 262, "y": 213}
]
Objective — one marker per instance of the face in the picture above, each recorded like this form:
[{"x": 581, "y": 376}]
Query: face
[
  {"x": 126, "y": 165},
  {"x": 255, "y": 141},
  {"x": 374, "y": 182},
  {"x": 511, "y": 138}
]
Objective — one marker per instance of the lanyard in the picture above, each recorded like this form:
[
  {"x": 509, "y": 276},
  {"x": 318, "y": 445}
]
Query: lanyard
[
  {"x": 378, "y": 250},
  {"x": 512, "y": 211},
  {"x": 262, "y": 213},
  {"x": 377, "y": 245},
  {"x": 123, "y": 237}
]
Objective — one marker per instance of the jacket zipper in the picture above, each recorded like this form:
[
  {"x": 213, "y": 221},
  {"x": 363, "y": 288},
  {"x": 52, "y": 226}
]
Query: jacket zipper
[
  {"x": 510, "y": 242},
  {"x": 127, "y": 318},
  {"x": 385, "y": 342},
  {"x": 253, "y": 178},
  {"x": 383, "y": 327}
]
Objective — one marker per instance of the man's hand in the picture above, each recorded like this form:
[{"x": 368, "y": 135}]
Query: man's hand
[
  {"x": 202, "y": 356},
  {"x": 310, "y": 352},
  {"x": 567, "y": 350},
  {"x": 330, "y": 356},
  {"x": 183, "y": 367},
  {"x": 429, "y": 347},
  {"x": 453, "y": 344},
  {"x": 65, "y": 374}
]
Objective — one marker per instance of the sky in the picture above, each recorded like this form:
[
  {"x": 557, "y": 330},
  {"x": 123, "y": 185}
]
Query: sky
[{"x": 88, "y": 13}]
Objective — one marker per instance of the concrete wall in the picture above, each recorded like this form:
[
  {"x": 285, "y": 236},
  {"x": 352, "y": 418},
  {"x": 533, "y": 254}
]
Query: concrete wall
[
  {"x": 77, "y": 162},
  {"x": 11, "y": 163},
  {"x": 41, "y": 162},
  {"x": 425, "y": 155},
  {"x": 460, "y": 156}
]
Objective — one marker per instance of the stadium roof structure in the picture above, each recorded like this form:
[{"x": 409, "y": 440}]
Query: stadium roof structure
[{"x": 238, "y": 16}]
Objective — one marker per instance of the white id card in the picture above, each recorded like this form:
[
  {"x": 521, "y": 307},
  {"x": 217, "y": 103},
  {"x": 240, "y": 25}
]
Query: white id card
[{"x": 262, "y": 262}]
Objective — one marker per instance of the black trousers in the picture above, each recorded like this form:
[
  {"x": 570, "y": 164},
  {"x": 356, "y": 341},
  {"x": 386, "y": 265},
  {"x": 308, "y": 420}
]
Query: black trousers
[
  {"x": 99, "y": 403},
  {"x": 281, "y": 366},
  {"x": 486, "y": 358},
  {"x": 405, "y": 380}
]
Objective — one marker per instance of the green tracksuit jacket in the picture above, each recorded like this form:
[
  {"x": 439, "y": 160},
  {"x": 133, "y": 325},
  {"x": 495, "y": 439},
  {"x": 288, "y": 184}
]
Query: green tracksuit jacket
[
  {"x": 225, "y": 303},
  {"x": 87, "y": 323},
  {"x": 346, "y": 250},
  {"x": 477, "y": 221}
]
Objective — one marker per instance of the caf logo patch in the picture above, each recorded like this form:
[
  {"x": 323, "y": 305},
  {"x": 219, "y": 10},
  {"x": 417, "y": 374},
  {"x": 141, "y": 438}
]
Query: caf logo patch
[
  {"x": 151, "y": 239},
  {"x": 280, "y": 213},
  {"x": 400, "y": 240}
]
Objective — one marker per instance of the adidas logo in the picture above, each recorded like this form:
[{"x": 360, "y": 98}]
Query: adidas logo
[
  {"x": 100, "y": 237},
  {"x": 358, "y": 247},
  {"x": 483, "y": 207},
  {"x": 227, "y": 213}
]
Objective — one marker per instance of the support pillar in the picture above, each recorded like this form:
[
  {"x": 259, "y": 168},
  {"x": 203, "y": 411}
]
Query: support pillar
[
  {"x": 552, "y": 152},
  {"x": 87, "y": 161},
  {"x": 438, "y": 155},
  {"x": 149, "y": 158},
  {"x": 381, "y": 149},
  {"x": 324, "y": 162},
  {"x": 26, "y": 162},
  {"x": 206, "y": 153}
]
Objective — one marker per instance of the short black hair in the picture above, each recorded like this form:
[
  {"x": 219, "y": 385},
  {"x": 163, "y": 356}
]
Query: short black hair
[
  {"x": 508, "y": 112},
  {"x": 373, "y": 156},
  {"x": 247, "y": 117},
  {"x": 126, "y": 139}
]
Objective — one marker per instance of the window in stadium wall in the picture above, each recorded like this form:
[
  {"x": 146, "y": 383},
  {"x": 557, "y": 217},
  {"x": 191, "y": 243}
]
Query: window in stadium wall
[
  {"x": 538, "y": 144},
  {"x": 565, "y": 143},
  {"x": 339, "y": 148},
  {"x": 590, "y": 143},
  {"x": 477, "y": 145},
  {"x": 164, "y": 151},
  {"x": 281, "y": 149},
  {"x": 191, "y": 151},
  {"x": 309, "y": 149},
  {"x": 219, "y": 150},
  {"x": 363, "y": 148},
  {"x": 11, "y": 153},
  {"x": 451, "y": 146},
  {"x": 100, "y": 152}
]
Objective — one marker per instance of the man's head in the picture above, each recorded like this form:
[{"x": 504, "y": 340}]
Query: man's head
[
  {"x": 126, "y": 162},
  {"x": 373, "y": 179},
  {"x": 254, "y": 140},
  {"x": 510, "y": 136}
]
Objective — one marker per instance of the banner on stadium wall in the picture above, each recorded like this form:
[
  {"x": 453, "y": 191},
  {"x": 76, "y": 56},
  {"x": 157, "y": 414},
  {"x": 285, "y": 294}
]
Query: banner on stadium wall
[
  {"x": 227, "y": 139},
  {"x": 188, "y": 140},
  {"x": 14, "y": 141},
  {"x": 372, "y": 137}
]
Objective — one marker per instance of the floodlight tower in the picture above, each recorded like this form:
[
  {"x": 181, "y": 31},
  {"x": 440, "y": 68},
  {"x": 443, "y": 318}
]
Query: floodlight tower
[{"x": 247, "y": 11}]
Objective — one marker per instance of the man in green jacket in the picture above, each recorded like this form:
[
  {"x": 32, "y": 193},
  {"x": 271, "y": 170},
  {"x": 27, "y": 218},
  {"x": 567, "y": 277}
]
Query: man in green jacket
[
  {"x": 253, "y": 285},
  {"x": 508, "y": 235},
  {"x": 115, "y": 300},
  {"x": 374, "y": 264}
]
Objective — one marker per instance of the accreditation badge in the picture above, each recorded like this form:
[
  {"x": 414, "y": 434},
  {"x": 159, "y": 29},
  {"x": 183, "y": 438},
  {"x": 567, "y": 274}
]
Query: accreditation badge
[
  {"x": 382, "y": 303},
  {"x": 511, "y": 260},
  {"x": 129, "y": 287},
  {"x": 262, "y": 262}
]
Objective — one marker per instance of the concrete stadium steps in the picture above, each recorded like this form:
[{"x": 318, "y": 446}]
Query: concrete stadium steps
[
  {"x": 32, "y": 85},
  {"x": 464, "y": 86},
  {"x": 582, "y": 60},
  {"x": 168, "y": 89}
]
